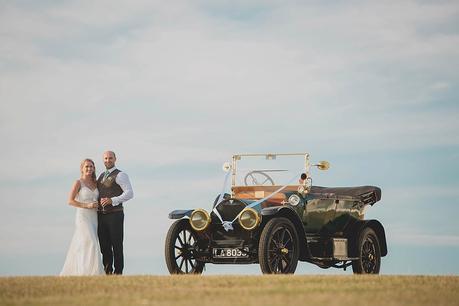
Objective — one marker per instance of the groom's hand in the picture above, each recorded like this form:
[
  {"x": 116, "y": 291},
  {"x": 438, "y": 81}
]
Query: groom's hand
[{"x": 105, "y": 201}]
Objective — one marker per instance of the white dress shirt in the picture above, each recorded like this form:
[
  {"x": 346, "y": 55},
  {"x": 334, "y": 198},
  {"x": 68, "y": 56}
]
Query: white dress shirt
[{"x": 122, "y": 179}]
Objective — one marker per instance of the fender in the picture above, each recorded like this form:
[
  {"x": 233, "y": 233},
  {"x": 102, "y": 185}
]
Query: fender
[
  {"x": 178, "y": 214},
  {"x": 354, "y": 228},
  {"x": 287, "y": 212}
]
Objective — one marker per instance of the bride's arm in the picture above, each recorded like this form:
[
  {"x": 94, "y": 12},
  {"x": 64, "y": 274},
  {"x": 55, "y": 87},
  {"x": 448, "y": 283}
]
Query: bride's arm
[{"x": 73, "y": 193}]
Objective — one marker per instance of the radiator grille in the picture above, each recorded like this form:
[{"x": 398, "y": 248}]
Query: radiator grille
[{"x": 229, "y": 209}]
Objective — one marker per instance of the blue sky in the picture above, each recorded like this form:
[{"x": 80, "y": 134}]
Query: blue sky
[{"x": 176, "y": 89}]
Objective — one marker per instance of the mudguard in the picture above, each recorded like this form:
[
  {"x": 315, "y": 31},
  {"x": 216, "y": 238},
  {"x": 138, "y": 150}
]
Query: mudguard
[
  {"x": 178, "y": 214},
  {"x": 353, "y": 231},
  {"x": 287, "y": 212}
]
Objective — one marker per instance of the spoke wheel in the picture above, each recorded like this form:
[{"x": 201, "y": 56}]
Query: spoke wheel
[
  {"x": 278, "y": 250},
  {"x": 369, "y": 252},
  {"x": 181, "y": 241}
]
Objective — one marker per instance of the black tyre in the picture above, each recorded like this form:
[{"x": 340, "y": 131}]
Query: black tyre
[
  {"x": 278, "y": 250},
  {"x": 180, "y": 246},
  {"x": 369, "y": 253}
]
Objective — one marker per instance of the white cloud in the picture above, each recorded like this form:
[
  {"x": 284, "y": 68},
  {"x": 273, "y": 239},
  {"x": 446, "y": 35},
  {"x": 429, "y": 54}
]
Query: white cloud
[
  {"x": 182, "y": 80},
  {"x": 413, "y": 194},
  {"x": 440, "y": 85},
  {"x": 425, "y": 240}
]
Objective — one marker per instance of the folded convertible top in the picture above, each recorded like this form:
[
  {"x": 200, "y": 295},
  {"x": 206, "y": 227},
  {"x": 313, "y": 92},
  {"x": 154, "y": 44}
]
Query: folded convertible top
[{"x": 367, "y": 194}]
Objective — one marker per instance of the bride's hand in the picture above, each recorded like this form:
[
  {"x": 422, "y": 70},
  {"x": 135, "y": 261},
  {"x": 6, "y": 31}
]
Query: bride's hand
[{"x": 92, "y": 205}]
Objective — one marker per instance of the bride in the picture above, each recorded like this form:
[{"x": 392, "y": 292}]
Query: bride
[{"x": 84, "y": 257}]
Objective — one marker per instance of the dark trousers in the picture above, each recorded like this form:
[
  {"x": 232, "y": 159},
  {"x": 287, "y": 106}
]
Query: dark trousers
[{"x": 110, "y": 231}]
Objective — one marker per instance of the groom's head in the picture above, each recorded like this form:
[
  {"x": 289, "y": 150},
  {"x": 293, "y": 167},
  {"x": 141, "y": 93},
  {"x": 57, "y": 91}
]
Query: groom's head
[{"x": 109, "y": 159}]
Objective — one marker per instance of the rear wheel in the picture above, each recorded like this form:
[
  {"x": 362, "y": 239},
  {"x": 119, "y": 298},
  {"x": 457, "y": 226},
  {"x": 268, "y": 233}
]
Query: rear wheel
[
  {"x": 278, "y": 249},
  {"x": 369, "y": 253},
  {"x": 181, "y": 242}
]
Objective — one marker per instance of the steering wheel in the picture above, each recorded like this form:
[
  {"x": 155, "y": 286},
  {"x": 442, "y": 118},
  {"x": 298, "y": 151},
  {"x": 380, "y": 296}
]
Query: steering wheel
[{"x": 253, "y": 178}]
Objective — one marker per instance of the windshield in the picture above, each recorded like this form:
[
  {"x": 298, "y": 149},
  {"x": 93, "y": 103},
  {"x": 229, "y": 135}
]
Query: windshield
[{"x": 269, "y": 169}]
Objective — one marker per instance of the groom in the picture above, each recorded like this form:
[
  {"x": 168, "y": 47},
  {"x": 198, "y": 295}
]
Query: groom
[{"x": 114, "y": 190}]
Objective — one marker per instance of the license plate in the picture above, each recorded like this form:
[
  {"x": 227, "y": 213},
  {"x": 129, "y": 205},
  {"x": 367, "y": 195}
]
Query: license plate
[{"x": 231, "y": 252}]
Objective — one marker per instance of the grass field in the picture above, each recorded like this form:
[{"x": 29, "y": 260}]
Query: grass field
[{"x": 231, "y": 290}]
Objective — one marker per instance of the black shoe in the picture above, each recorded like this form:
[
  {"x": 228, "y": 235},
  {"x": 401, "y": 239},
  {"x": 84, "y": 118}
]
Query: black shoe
[{"x": 108, "y": 270}]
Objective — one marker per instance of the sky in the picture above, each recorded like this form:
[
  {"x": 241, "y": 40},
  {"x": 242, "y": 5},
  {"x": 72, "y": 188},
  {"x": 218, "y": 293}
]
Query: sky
[{"x": 176, "y": 88}]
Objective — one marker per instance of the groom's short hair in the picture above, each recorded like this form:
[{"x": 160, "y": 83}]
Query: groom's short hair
[{"x": 114, "y": 155}]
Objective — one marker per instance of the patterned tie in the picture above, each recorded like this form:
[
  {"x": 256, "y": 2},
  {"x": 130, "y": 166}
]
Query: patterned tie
[{"x": 107, "y": 173}]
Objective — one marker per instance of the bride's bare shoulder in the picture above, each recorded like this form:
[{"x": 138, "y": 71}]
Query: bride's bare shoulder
[{"x": 76, "y": 185}]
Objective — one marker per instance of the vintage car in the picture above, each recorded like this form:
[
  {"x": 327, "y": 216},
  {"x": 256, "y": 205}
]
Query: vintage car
[{"x": 257, "y": 219}]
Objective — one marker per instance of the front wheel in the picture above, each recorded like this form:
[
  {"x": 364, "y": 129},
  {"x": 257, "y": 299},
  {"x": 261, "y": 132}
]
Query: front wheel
[
  {"x": 369, "y": 253},
  {"x": 278, "y": 250},
  {"x": 181, "y": 242}
]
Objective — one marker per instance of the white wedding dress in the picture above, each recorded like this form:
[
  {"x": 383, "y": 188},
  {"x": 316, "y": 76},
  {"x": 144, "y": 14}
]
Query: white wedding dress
[{"x": 84, "y": 256}]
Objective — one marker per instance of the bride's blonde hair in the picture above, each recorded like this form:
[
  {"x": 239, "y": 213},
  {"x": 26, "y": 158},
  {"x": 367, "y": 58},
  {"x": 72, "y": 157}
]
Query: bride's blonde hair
[{"x": 93, "y": 176}]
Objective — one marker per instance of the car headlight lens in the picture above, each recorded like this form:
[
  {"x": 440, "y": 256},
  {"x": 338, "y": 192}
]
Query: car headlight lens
[
  {"x": 249, "y": 219},
  {"x": 294, "y": 200},
  {"x": 199, "y": 219}
]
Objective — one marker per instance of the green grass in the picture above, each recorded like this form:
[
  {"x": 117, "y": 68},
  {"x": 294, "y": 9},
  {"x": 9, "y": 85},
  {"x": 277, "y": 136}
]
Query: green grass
[{"x": 231, "y": 290}]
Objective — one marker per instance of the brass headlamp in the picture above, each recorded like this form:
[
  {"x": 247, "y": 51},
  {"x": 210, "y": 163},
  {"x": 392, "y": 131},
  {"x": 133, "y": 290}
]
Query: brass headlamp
[
  {"x": 199, "y": 219},
  {"x": 249, "y": 219}
]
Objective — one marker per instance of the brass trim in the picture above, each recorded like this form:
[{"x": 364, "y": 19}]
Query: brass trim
[
  {"x": 207, "y": 221},
  {"x": 257, "y": 221},
  {"x": 323, "y": 165},
  {"x": 237, "y": 157}
]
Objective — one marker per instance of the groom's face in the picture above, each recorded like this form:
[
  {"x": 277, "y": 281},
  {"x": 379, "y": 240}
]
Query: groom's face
[{"x": 109, "y": 160}]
